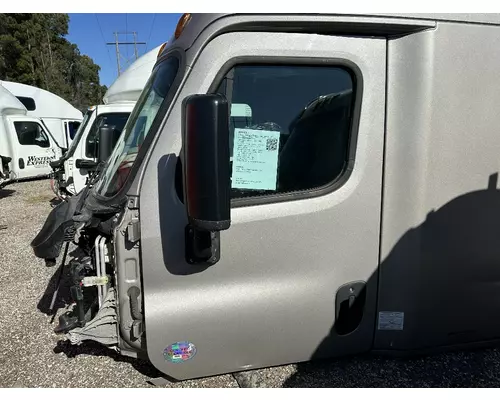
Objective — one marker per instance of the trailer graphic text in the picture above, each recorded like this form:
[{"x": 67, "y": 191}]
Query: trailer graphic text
[{"x": 39, "y": 160}]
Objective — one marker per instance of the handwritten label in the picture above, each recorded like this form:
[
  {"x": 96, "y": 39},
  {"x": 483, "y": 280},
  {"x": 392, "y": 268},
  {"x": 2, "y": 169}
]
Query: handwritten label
[{"x": 255, "y": 159}]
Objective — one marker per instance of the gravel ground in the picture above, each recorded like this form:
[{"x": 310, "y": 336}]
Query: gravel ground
[{"x": 32, "y": 356}]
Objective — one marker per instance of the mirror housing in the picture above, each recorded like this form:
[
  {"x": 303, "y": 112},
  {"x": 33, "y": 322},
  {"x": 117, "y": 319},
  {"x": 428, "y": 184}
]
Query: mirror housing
[
  {"x": 107, "y": 140},
  {"x": 85, "y": 164},
  {"x": 206, "y": 166},
  {"x": 57, "y": 163}
]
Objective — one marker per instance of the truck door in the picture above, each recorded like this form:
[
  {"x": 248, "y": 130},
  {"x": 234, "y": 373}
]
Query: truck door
[
  {"x": 297, "y": 277},
  {"x": 35, "y": 147}
]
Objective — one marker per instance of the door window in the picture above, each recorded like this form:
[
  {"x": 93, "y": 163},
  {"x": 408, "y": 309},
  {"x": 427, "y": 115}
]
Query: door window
[
  {"x": 290, "y": 127},
  {"x": 116, "y": 121},
  {"x": 72, "y": 128},
  {"x": 30, "y": 133}
]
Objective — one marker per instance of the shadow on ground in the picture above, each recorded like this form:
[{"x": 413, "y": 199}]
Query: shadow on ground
[
  {"x": 96, "y": 349},
  {"x": 6, "y": 193},
  {"x": 479, "y": 368}
]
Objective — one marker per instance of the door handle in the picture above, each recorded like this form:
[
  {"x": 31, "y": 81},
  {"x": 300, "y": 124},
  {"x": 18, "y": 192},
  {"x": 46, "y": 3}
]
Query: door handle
[{"x": 349, "y": 307}]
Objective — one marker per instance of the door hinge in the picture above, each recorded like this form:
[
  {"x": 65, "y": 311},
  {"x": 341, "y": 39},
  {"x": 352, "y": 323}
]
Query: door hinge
[{"x": 134, "y": 230}]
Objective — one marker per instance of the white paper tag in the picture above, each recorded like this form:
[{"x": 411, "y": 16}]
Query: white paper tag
[{"x": 255, "y": 159}]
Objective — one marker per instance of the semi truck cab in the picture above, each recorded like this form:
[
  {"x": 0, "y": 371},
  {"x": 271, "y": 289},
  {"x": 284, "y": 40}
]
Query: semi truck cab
[{"x": 291, "y": 187}]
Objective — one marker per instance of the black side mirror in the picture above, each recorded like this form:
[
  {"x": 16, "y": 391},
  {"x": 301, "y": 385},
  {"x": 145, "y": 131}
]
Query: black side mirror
[
  {"x": 85, "y": 164},
  {"x": 106, "y": 143},
  {"x": 57, "y": 163},
  {"x": 206, "y": 174}
]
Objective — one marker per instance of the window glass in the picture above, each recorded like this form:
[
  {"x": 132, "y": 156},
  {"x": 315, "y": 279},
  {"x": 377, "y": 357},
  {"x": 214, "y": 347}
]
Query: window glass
[
  {"x": 125, "y": 152},
  {"x": 289, "y": 126},
  {"x": 79, "y": 132},
  {"x": 31, "y": 133},
  {"x": 28, "y": 102},
  {"x": 116, "y": 121},
  {"x": 73, "y": 128}
]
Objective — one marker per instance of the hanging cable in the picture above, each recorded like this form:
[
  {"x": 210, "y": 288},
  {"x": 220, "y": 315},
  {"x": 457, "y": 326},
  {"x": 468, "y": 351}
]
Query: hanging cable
[
  {"x": 150, "y": 32},
  {"x": 104, "y": 40}
]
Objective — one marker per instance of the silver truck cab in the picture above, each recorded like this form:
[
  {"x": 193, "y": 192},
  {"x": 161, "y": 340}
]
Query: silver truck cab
[{"x": 356, "y": 211}]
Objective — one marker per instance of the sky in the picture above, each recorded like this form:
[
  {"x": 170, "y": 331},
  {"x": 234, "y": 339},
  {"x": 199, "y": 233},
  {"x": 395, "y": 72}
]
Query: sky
[{"x": 90, "y": 32}]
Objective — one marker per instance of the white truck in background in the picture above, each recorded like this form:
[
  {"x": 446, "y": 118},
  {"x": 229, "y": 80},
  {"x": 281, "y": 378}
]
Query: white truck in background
[
  {"x": 27, "y": 146},
  {"x": 58, "y": 116},
  {"x": 5, "y": 173},
  {"x": 72, "y": 170}
]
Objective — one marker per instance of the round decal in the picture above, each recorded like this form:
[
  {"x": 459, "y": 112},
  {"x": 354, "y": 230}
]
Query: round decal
[{"x": 179, "y": 352}]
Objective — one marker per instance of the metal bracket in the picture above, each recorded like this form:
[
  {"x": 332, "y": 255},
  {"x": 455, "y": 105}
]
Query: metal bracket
[
  {"x": 95, "y": 281},
  {"x": 134, "y": 230}
]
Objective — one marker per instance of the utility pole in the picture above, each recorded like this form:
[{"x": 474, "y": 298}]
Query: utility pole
[
  {"x": 135, "y": 44},
  {"x": 117, "y": 53},
  {"x": 117, "y": 45}
]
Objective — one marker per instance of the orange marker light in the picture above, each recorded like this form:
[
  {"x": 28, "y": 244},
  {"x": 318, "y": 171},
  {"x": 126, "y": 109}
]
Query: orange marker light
[
  {"x": 161, "y": 49},
  {"x": 183, "y": 21}
]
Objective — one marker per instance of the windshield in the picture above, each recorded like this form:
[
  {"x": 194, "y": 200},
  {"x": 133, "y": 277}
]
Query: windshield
[
  {"x": 79, "y": 133},
  {"x": 137, "y": 128}
]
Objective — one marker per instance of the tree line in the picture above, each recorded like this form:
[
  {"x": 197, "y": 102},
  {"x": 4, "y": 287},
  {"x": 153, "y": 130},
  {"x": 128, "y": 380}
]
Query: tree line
[{"x": 34, "y": 51}]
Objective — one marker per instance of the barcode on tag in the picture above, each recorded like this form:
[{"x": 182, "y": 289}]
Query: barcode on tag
[{"x": 272, "y": 144}]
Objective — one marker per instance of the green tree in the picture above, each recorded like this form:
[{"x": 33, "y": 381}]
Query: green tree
[{"x": 34, "y": 51}]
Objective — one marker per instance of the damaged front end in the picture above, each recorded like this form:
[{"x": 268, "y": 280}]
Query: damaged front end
[
  {"x": 6, "y": 175},
  {"x": 93, "y": 313},
  {"x": 58, "y": 179}
]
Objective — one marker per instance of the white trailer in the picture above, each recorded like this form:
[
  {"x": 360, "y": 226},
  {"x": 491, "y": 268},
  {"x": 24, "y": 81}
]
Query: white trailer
[
  {"x": 119, "y": 101},
  {"x": 26, "y": 145},
  {"x": 59, "y": 116}
]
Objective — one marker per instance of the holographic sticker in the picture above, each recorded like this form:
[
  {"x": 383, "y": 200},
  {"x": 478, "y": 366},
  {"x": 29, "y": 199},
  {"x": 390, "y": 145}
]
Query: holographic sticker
[{"x": 179, "y": 352}]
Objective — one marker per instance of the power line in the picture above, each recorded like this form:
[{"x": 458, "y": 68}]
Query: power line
[
  {"x": 117, "y": 45},
  {"x": 104, "y": 40},
  {"x": 150, "y": 32}
]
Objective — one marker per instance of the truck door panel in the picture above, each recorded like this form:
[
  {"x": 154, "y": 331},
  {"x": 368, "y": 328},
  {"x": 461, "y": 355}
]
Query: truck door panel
[
  {"x": 297, "y": 278},
  {"x": 36, "y": 150}
]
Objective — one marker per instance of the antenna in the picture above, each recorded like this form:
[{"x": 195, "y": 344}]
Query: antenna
[{"x": 117, "y": 45}]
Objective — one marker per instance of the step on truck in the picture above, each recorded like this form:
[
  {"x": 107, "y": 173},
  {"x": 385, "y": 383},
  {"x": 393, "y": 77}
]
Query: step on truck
[{"x": 352, "y": 206}]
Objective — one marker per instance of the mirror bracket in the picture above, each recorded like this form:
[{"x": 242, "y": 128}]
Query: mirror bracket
[{"x": 201, "y": 246}]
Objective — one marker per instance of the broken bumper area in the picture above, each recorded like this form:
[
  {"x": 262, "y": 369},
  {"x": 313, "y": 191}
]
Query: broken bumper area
[{"x": 58, "y": 228}]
